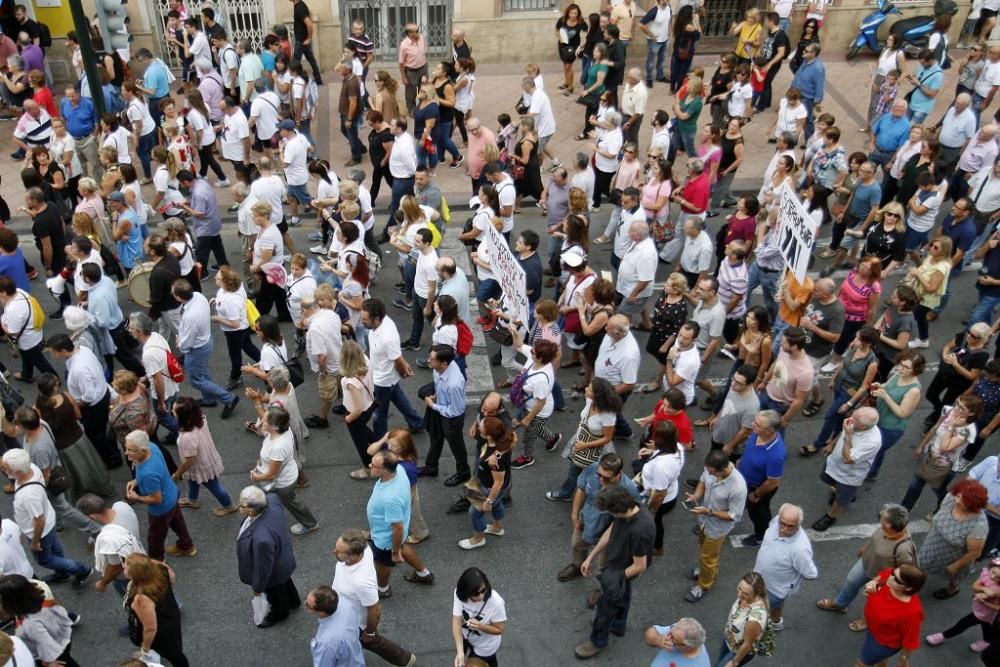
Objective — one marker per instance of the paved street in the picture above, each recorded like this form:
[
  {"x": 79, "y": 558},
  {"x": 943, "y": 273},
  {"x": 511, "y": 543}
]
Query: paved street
[{"x": 547, "y": 618}]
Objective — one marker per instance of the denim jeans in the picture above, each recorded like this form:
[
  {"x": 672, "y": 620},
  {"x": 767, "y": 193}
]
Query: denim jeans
[
  {"x": 586, "y": 62},
  {"x": 147, "y": 143},
  {"x": 196, "y": 367},
  {"x": 768, "y": 282},
  {"x": 479, "y": 517},
  {"x": 977, "y": 100},
  {"x": 568, "y": 487},
  {"x": 51, "y": 556},
  {"x": 778, "y": 330},
  {"x": 916, "y": 117},
  {"x": 807, "y": 131},
  {"x": 855, "y": 581},
  {"x": 350, "y": 131},
  {"x": 167, "y": 419},
  {"x": 725, "y": 655},
  {"x": 488, "y": 289},
  {"x": 610, "y": 615},
  {"x": 833, "y": 422},
  {"x": 656, "y": 53},
  {"x": 917, "y": 487},
  {"x": 396, "y": 396},
  {"x": 213, "y": 485},
  {"x": 417, "y": 330},
  {"x": 689, "y": 143},
  {"x": 889, "y": 438},
  {"x": 983, "y": 311},
  {"x": 400, "y": 188},
  {"x": 445, "y": 144},
  {"x": 424, "y": 158}
]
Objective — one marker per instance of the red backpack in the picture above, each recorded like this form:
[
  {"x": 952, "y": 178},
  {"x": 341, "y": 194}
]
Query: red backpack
[{"x": 464, "y": 345}]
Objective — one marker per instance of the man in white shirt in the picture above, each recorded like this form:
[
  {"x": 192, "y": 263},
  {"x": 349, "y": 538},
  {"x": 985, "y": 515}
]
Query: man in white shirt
[
  {"x": 86, "y": 384},
  {"x": 506, "y": 193},
  {"x": 634, "y": 98},
  {"x": 236, "y": 138},
  {"x": 264, "y": 117},
  {"x": 583, "y": 175},
  {"x": 618, "y": 362},
  {"x": 710, "y": 314},
  {"x": 545, "y": 121},
  {"x": 403, "y": 167},
  {"x": 13, "y": 560},
  {"x": 424, "y": 287},
  {"x": 323, "y": 343},
  {"x": 229, "y": 62},
  {"x": 987, "y": 82},
  {"x": 250, "y": 72},
  {"x": 655, "y": 24},
  {"x": 296, "y": 161},
  {"x": 388, "y": 368},
  {"x": 619, "y": 226},
  {"x": 194, "y": 341},
  {"x": 119, "y": 538},
  {"x": 268, "y": 187},
  {"x": 356, "y": 583},
  {"x": 848, "y": 461},
  {"x": 698, "y": 253},
  {"x": 659, "y": 142},
  {"x": 18, "y": 321},
  {"x": 636, "y": 273},
  {"x": 785, "y": 558},
  {"x": 162, "y": 389},
  {"x": 684, "y": 361},
  {"x": 36, "y": 518}
]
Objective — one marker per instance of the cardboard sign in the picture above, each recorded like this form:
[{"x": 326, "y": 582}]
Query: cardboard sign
[
  {"x": 796, "y": 233},
  {"x": 508, "y": 273}
]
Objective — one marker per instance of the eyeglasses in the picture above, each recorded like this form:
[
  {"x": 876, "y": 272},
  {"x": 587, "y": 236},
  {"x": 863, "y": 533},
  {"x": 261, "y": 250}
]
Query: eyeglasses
[
  {"x": 630, "y": 151},
  {"x": 906, "y": 367},
  {"x": 891, "y": 215}
]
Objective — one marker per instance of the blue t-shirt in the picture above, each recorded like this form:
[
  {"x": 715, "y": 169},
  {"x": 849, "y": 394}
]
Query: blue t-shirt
[
  {"x": 155, "y": 79},
  {"x": 267, "y": 59},
  {"x": 152, "y": 476},
  {"x": 865, "y": 198},
  {"x": 595, "y": 522},
  {"x": 389, "y": 504},
  {"x": 12, "y": 266},
  {"x": 758, "y": 464},
  {"x": 931, "y": 78},
  {"x": 664, "y": 659},
  {"x": 130, "y": 249}
]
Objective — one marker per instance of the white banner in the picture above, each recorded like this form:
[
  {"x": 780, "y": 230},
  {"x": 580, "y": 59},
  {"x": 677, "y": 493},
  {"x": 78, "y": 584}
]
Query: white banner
[
  {"x": 796, "y": 233},
  {"x": 509, "y": 274}
]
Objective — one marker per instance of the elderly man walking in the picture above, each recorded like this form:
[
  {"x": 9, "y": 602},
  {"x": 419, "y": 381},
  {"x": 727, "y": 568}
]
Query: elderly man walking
[
  {"x": 636, "y": 274},
  {"x": 618, "y": 362},
  {"x": 412, "y": 63},
  {"x": 848, "y": 461},
  {"x": 335, "y": 644},
  {"x": 958, "y": 128},
  {"x": 264, "y": 553},
  {"x": 762, "y": 466},
  {"x": 784, "y": 560},
  {"x": 154, "y": 487},
  {"x": 889, "y": 133},
  {"x": 980, "y": 153}
]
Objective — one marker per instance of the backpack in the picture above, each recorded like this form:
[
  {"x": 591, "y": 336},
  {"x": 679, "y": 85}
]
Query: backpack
[
  {"x": 44, "y": 36},
  {"x": 174, "y": 369},
  {"x": 517, "y": 395},
  {"x": 445, "y": 211},
  {"x": 435, "y": 235},
  {"x": 252, "y": 314},
  {"x": 464, "y": 345}
]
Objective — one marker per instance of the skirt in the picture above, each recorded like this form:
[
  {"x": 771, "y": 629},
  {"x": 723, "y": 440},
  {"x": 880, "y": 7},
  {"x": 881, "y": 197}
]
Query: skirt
[
  {"x": 87, "y": 470},
  {"x": 877, "y": 82}
]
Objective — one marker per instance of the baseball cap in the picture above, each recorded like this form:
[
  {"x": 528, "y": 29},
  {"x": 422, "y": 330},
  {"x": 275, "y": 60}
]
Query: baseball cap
[{"x": 287, "y": 124}]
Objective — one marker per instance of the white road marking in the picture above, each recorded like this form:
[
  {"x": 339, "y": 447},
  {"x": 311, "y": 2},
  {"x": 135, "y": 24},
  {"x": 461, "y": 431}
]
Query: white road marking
[{"x": 837, "y": 533}]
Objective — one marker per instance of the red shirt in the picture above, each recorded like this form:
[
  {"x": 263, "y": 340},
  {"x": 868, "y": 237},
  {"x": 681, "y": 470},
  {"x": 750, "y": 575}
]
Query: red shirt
[
  {"x": 893, "y": 623},
  {"x": 744, "y": 229},
  {"x": 685, "y": 436},
  {"x": 43, "y": 96},
  {"x": 696, "y": 193}
]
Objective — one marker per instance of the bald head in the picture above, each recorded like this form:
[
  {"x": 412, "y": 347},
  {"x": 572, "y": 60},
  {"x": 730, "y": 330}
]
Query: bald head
[
  {"x": 446, "y": 266},
  {"x": 962, "y": 101},
  {"x": 988, "y": 132},
  {"x": 789, "y": 519},
  {"x": 825, "y": 287},
  {"x": 865, "y": 418},
  {"x": 617, "y": 326},
  {"x": 634, "y": 75},
  {"x": 638, "y": 231}
]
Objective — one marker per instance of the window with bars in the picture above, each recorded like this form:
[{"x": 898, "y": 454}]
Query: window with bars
[{"x": 528, "y": 5}]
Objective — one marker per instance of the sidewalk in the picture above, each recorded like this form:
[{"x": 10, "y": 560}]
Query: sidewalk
[{"x": 498, "y": 87}]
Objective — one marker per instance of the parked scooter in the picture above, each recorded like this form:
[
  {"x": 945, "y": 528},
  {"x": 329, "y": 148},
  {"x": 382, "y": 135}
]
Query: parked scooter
[{"x": 912, "y": 34}]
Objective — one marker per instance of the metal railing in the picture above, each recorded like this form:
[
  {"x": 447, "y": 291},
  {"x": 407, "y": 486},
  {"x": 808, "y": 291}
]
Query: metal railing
[{"x": 528, "y": 5}]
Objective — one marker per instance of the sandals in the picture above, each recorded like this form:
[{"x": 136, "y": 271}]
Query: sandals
[
  {"x": 826, "y": 604},
  {"x": 701, "y": 423},
  {"x": 503, "y": 384},
  {"x": 860, "y": 625},
  {"x": 649, "y": 388},
  {"x": 361, "y": 474},
  {"x": 808, "y": 450},
  {"x": 812, "y": 409}
]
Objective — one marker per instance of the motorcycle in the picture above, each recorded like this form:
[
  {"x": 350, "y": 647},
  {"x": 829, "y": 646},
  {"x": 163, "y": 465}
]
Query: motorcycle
[{"x": 912, "y": 34}]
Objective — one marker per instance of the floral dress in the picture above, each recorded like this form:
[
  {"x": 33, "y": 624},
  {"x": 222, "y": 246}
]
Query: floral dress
[
  {"x": 667, "y": 321},
  {"x": 947, "y": 540},
  {"x": 739, "y": 617}
]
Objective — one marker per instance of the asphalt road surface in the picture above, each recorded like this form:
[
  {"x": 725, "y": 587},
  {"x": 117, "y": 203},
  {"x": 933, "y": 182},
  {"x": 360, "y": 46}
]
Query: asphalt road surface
[{"x": 547, "y": 619}]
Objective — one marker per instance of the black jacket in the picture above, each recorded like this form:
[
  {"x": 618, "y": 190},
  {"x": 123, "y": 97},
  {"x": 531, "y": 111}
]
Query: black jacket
[
  {"x": 264, "y": 549},
  {"x": 161, "y": 279}
]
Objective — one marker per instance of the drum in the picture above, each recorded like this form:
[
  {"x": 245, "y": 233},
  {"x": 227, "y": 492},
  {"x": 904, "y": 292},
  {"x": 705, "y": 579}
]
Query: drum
[{"x": 138, "y": 284}]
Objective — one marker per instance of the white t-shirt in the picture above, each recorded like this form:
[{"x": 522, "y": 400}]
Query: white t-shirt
[
  {"x": 686, "y": 365},
  {"x": 296, "y": 157},
  {"x": 13, "y": 560},
  {"x": 118, "y": 539},
  {"x": 384, "y": 349},
  {"x": 32, "y": 502},
  {"x": 269, "y": 239},
  {"x": 545, "y": 120},
  {"x": 661, "y": 473},
  {"x": 788, "y": 117},
  {"x": 988, "y": 77},
  {"x": 280, "y": 449},
  {"x": 185, "y": 253},
  {"x": 154, "y": 360},
  {"x": 119, "y": 141},
  {"x": 923, "y": 222},
  {"x": 660, "y": 26},
  {"x": 234, "y": 130},
  {"x": 22, "y": 654},
  {"x": 272, "y": 190},
  {"x": 200, "y": 48},
  {"x": 598, "y": 421},
  {"x": 488, "y": 611},
  {"x": 740, "y": 94},
  {"x": 783, "y": 8},
  {"x": 638, "y": 265},
  {"x": 357, "y": 587},
  {"x": 618, "y": 361},
  {"x": 611, "y": 142},
  {"x": 200, "y": 123},
  {"x": 425, "y": 273},
  {"x": 329, "y": 190},
  {"x": 265, "y": 110},
  {"x": 507, "y": 194},
  {"x": 272, "y": 355},
  {"x": 445, "y": 334},
  {"x": 18, "y": 316},
  {"x": 138, "y": 112},
  {"x": 298, "y": 289},
  {"x": 538, "y": 384},
  {"x": 229, "y": 60},
  {"x": 232, "y": 306}
]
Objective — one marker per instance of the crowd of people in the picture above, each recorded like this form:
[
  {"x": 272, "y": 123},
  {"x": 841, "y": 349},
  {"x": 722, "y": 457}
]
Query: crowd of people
[{"x": 846, "y": 344}]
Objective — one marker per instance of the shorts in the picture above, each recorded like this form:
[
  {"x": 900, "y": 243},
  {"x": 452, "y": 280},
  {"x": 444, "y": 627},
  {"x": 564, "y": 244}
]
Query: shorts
[
  {"x": 844, "y": 494},
  {"x": 850, "y": 222},
  {"x": 329, "y": 386},
  {"x": 986, "y": 14},
  {"x": 774, "y": 602},
  {"x": 260, "y": 144},
  {"x": 381, "y": 556},
  {"x": 283, "y": 227},
  {"x": 872, "y": 652},
  {"x": 916, "y": 240},
  {"x": 817, "y": 363},
  {"x": 626, "y": 308},
  {"x": 542, "y": 143},
  {"x": 300, "y": 192}
]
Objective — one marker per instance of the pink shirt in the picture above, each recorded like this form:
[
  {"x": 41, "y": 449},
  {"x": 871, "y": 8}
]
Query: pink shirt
[
  {"x": 856, "y": 296},
  {"x": 629, "y": 175},
  {"x": 980, "y": 610},
  {"x": 710, "y": 153},
  {"x": 652, "y": 191},
  {"x": 476, "y": 160},
  {"x": 413, "y": 54}
]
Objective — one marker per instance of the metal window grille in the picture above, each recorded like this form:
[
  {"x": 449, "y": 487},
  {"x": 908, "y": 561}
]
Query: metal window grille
[
  {"x": 528, "y": 5},
  {"x": 385, "y": 19},
  {"x": 242, "y": 19}
]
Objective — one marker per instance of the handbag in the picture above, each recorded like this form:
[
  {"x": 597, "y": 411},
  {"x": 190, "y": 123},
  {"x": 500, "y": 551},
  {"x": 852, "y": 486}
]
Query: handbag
[
  {"x": 583, "y": 458},
  {"x": 589, "y": 100},
  {"x": 658, "y": 232},
  {"x": 295, "y": 373},
  {"x": 932, "y": 473},
  {"x": 615, "y": 196},
  {"x": 261, "y": 608},
  {"x": 59, "y": 481},
  {"x": 767, "y": 641},
  {"x": 474, "y": 493},
  {"x": 499, "y": 333},
  {"x": 518, "y": 171},
  {"x": 10, "y": 398},
  {"x": 567, "y": 53}
]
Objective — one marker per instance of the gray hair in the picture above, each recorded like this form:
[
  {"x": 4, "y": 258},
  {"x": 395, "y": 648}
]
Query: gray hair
[
  {"x": 15, "y": 62},
  {"x": 788, "y": 138},
  {"x": 138, "y": 439},
  {"x": 357, "y": 175},
  {"x": 18, "y": 460},
  {"x": 278, "y": 378},
  {"x": 614, "y": 118},
  {"x": 260, "y": 85},
  {"x": 697, "y": 223},
  {"x": 203, "y": 65},
  {"x": 254, "y": 499},
  {"x": 640, "y": 229},
  {"x": 177, "y": 225},
  {"x": 141, "y": 322},
  {"x": 896, "y": 515},
  {"x": 773, "y": 419},
  {"x": 789, "y": 506},
  {"x": 527, "y": 82},
  {"x": 963, "y": 98},
  {"x": 245, "y": 45},
  {"x": 87, "y": 184},
  {"x": 697, "y": 165},
  {"x": 582, "y": 160},
  {"x": 692, "y": 630}
]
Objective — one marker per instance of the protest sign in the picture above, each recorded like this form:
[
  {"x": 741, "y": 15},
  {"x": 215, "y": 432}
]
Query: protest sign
[
  {"x": 508, "y": 273},
  {"x": 796, "y": 233}
]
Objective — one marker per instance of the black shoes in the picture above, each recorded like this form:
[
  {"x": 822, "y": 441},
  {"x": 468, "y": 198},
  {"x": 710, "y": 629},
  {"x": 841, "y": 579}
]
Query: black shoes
[
  {"x": 227, "y": 411},
  {"x": 427, "y": 471},
  {"x": 458, "y": 478}
]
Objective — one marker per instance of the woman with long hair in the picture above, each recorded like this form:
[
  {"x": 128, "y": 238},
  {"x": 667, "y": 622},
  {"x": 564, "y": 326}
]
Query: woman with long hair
[
  {"x": 493, "y": 479},
  {"x": 154, "y": 617},
  {"x": 753, "y": 347},
  {"x": 886, "y": 237},
  {"x": 201, "y": 464},
  {"x": 595, "y": 309},
  {"x": 53, "y": 174},
  {"x": 593, "y": 436},
  {"x": 687, "y": 32},
  {"x": 44, "y": 626},
  {"x": 527, "y": 163},
  {"x": 896, "y": 400},
  {"x": 569, "y": 28},
  {"x": 133, "y": 197},
  {"x": 231, "y": 315},
  {"x": 168, "y": 196},
  {"x": 385, "y": 99},
  {"x": 355, "y": 278},
  {"x": 860, "y": 293},
  {"x": 399, "y": 441},
  {"x": 412, "y": 217},
  {"x": 595, "y": 36},
  {"x": 593, "y": 85},
  {"x": 445, "y": 90},
  {"x": 380, "y": 142},
  {"x": 733, "y": 152},
  {"x": 686, "y": 111},
  {"x": 465, "y": 96},
  {"x": 478, "y": 618},
  {"x": 810, "y": 35},
  {"x": 203, "y": 137},
  {"x": 628, "y": 174},
  {"x": 446, "y": 329},
  {"x": 141, "y": 124},
  {"x": 426, "y": 127},
  {"x": 930, "y": 280},
  {"x": 181, "y": 245},
  {"x": 268, "y": 247},
  {"x": 303, "y": 111},
  {"x": 662, "y": 462},
  {"x": 113, "y": 135},
  {"x": 62, "y": 147},
  {"x": 710, "y": 151},
  {"x": 539, "y": 402},
  {"x": 273, "y": 352},
  {"x": 359, "y": 400},
  {"x": 891, "y": 59}
]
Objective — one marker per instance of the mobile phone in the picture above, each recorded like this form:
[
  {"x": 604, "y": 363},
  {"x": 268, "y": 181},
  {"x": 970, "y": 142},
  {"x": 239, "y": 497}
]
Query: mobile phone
[{"x": 689, "y": 504}]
